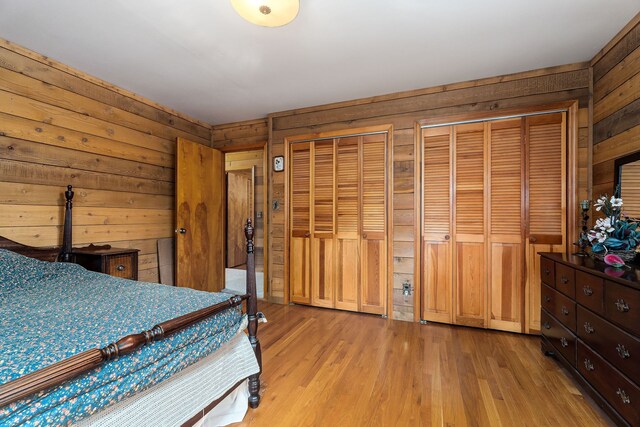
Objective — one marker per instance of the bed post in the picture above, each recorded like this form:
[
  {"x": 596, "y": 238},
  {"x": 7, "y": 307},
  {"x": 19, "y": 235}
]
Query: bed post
[
  {"x": 252, "y": 313},
  {"x": 65, "y": 254}
]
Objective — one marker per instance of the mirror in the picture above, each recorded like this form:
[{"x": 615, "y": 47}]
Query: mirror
[{"x": 627, "y": 176}]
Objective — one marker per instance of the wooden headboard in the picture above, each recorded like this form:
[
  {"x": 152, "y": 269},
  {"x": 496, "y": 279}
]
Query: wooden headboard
[{"x": 51, "y": 253}]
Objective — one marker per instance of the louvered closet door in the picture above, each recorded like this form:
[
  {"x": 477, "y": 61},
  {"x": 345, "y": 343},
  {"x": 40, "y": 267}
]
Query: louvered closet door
[
  {"x": 322, "y": 268},
  {"x": 437, "y": 289},
  {"x": 374, "y": 244},
  {"x": 506, "y": 255},
  {"x": 299, "y": 243},
  {"x": 546, "y": 171},
  {"x": 347, "y": 224},
  {"x": 469, "y": 220}
]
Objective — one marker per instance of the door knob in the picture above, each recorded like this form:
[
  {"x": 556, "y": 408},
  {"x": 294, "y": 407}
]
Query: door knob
[
  {"x": 307, "y": 234},
  {"x": 364, "y": 236},
  {"x": 181, "y": 231},
  {"x": 447, "y": 237},
  {"x": 533, "y": 239}
]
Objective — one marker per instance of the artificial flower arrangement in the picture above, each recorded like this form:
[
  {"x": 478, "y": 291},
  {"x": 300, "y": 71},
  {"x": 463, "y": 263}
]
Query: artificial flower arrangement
[{"x": 614, "y": 234}]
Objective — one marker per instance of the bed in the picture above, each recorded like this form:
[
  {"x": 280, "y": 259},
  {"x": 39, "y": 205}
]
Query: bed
[{"x": 80, "y": 347}]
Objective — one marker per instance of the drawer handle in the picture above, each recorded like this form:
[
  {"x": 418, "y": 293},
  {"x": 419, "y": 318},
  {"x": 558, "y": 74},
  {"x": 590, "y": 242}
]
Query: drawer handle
[
  {"x": 546, "y": 271},
  {"x": 547, "y": 298},
  {"x": 588, "y": 328},
  {"x": 564, "y": 280},
  {"x": 120, "y": 267},
  {"x": 622, "y": 306},
  {"x": 546, "y": 325},
  {"x": 587, "y": 290},
  {"x": 623, "y": 396},
  {"x": 564, "y": 342},
  {"x": 564, "y": 310},
  {"x": 623, "y": 352},
  {"x": 588, "y": 365}
]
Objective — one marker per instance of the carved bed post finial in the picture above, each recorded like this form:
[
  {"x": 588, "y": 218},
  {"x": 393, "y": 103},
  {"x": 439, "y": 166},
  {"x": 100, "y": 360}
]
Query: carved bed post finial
[
  {"x": 252, "y": 314},
  {"x": 67, "y": 241}
]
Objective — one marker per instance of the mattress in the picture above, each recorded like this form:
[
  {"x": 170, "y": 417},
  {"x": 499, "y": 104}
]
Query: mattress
[
  {"x": 51, "y": 311},
  {"x": 178, "y": 399}
]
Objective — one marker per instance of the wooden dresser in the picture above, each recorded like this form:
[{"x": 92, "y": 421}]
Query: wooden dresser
[
  {"x": 112, "y": 261},
  {"x": 590, "y": 319}
]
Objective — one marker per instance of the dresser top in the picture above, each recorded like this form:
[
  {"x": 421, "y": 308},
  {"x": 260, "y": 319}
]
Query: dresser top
[{"x": 629, "y": 275}]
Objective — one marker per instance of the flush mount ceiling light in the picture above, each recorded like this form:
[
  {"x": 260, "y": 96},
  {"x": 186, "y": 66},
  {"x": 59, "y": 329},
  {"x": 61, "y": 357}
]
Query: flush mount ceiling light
[{"x": 267, "y": 13}]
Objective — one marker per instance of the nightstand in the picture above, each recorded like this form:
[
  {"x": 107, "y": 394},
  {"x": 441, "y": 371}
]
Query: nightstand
[{"x": 116, "y": 262}]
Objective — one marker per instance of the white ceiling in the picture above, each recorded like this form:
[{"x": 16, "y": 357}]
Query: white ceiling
[{"x": 200, "y": 58}]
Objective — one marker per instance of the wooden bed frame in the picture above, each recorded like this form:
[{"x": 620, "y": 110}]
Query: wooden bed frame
[{"x": 72, "y": 367}]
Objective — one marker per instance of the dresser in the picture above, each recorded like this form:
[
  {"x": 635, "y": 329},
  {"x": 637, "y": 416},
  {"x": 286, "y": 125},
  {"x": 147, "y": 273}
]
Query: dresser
[
  {"x": 590, "y": 317},
  {"x": 116, "y": 262}
]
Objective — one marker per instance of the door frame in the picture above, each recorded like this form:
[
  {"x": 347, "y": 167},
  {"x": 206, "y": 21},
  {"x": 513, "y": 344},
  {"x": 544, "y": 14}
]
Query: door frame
[
  {"x": 264, "y": 147},
  {"x": 388, "y": 129},
  {"x": 570, "y": 107}
]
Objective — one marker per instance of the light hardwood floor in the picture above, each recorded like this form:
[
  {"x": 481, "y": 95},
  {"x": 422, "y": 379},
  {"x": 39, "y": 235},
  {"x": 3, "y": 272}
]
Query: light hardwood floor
[{"x": 332, "y": 368}]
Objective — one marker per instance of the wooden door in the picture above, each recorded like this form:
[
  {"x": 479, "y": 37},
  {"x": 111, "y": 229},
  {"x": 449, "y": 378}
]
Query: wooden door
[
  {"x": 347, "y": 241},
  {"x": 469, "y": 222},
  {"x": 505, "y": 225},
  {"x": 200, "y": 199},
  {"x": 240, "y": 202},
  {"x": 299, "y": 242},
  {"x": 373, "y": 278},
  {"x": 437, "y": 289},
  {"x": 545, "y": 145},
  {"x": 322, "y": 244}
]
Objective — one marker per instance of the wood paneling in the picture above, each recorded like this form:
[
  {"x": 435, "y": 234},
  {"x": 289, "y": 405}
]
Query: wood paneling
[
  {"x": 616, "y": 106},
  {"x": 402, "y": 111},
  {"x": 59, "y": 126}
]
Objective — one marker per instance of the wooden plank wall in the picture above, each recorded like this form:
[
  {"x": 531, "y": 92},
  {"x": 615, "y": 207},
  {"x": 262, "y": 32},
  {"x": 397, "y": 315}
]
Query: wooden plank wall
[
  {"x": 240, "y": 160},
  {"x": 59, "y": 126},
  {"x": 402, "y": 110},
  {"x": 616, "y": 104}
]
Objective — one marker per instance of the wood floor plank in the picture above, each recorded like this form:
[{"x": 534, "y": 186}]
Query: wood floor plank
[{"x": 332, "y": 368}]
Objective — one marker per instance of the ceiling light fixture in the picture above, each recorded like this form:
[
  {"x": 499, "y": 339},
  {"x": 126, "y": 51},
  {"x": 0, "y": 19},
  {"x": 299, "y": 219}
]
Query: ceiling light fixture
[{"x": 267, "y": 13}]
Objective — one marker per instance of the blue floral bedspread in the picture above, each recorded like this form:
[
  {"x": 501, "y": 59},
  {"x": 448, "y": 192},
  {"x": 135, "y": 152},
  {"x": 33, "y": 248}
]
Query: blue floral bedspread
[{"x": 51, "y": 311}]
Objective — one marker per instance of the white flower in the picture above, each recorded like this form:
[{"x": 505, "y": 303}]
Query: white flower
[
  {"x": 616, "y": 202},
  {"x": 604, "y": 224}
]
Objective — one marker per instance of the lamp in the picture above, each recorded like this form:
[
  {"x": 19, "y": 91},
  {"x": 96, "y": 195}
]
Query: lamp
[{"x": 267, "y": 13}]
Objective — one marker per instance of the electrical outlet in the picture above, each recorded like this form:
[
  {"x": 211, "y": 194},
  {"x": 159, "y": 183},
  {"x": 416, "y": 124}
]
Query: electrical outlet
[
  {"x": 259, "y": 214},
  {"x": 406, "y": 288}
]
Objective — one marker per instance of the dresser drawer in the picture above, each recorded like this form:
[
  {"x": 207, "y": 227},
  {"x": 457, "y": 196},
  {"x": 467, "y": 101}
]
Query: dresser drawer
[
  {"x": 547, "y": 271},
  {"x": 561, "y": 306},
  {"x": 566, "y": 280},
  {"x": 622, "y": 306},
  {"x": 590, "y": 291},
  {"x": 621, "y": 393},
  {"x": 612, "y": 343},
  {"x": 560, "y": 337},
  {"x": 121, "y": 265}
]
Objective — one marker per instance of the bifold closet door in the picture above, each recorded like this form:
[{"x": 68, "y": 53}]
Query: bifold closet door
[
  {"x": 505, "y": 222},
  {"x": 437, "y": 289},
  {"x": 373, "y": 289},
  {"x": 299, "y": 240},
  {"x": 545, "y": 137},
  {"x": 322, "y": 268},
  {"x": 347, "y": 239},
  {"x": 469, "y": 224}
]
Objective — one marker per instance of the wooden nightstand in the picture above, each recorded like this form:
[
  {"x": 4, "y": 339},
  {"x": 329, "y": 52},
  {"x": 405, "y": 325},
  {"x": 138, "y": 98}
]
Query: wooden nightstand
[{"x": 116, "y": 262}]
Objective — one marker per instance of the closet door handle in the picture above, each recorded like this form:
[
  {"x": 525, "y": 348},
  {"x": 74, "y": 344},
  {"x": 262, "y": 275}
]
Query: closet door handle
[
  {"x": 447, "y": 237},
  {"x": 532, "y": 239},
  {"x": 307, "y": 234},
  {"x": 364, "y": 235}
]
